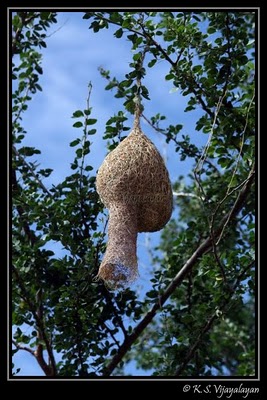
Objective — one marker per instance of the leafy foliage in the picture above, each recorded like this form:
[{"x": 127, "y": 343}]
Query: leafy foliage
[{"x": 197, "y": 318}]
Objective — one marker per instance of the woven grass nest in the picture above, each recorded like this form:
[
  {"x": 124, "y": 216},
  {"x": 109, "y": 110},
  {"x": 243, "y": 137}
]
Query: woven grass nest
[{"x": 133, "y": 183}]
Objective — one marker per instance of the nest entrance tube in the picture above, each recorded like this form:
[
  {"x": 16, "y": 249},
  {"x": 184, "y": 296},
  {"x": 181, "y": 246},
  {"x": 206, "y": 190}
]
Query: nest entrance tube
[
  {"x": 119, "y": 266},
  {"x": 133, "y": 183}
]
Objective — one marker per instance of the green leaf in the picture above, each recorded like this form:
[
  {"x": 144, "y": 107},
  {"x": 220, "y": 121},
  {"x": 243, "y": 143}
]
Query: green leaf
[
  {"x": 144, "y": 92},
  {"x": 127, "y": 24},
  {"x": 23, "y": 75},
  {"x": 152, "y": 294},
  {"x": 126, "y": 83},
  {"x": 223, "y": 161},
  {"x": 78, "y": 124},
  {"x": 196, "y": 18},
  {"x": 75, "y": 142},
  {"x": 29, "y": 151},
  {"x": 74, "y": 166},
  {"x": 91, "y": 121},
  {"x": 91, "y": 132},
  {"x": 79, "y": 153},
  {"x": 118, "y": 34},
  {"x": 211, "y": 30},
  {"x": 39, "y": 69},
  {"x": 197, "y": 69},
  {"x": 38, "y": 87},
  {"x": 152, "y": 63},
  {"x": 137, "y": 56},
  {"x": 170, "y": 76},
  {"x": 16, "y": 22},
  {"x": 77, "y": 114},
  {"x": 242, "y": 59}
]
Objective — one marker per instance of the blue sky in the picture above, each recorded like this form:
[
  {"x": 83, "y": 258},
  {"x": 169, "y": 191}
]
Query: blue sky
[{"x": 71, "y": 60}]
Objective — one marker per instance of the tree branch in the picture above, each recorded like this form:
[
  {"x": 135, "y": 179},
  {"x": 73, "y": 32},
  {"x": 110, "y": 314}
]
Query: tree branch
[
  {"x": 178, "y": 279},
  {"x": 21, "y": 347},
  {"x": 195, "y": 345},
  {"x": 163, "y": 131},
  {"x": 210, "y": 322},
  {"x": 201, "y": 101},
  {"x": 115, "y": 311},
  {"x": 145, "y": 35},
  {"x": 22, "y": 159},
  {"x": 50, "y": 370},
  {"x": 111, "y": 334}
]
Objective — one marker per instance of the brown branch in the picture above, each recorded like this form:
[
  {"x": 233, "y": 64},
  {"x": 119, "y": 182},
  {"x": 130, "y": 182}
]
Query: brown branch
[
  {"x": 145, "y": 35},
  {"x": 158, "y": 46},
  {"x": 50, "y": 369},
  {"x": 210, "y": 322},
  {"x": 39, "y": 352},
  {"x": 111, "y": 334},
  {"x": 174, "y": 64},
  {"x": 192, "y": 350},
  {"x": 21, "y": 347},
  {"x": 202, "y": 102},
  {"x": 178, "y": 279},
  {"x": 179, "y": 56},
  {"x": 118, "y": 319},
  {"x": 35, "y": 309}
]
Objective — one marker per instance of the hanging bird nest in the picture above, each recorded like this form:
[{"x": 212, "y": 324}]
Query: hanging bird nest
[{"x": 133, "y": 183}]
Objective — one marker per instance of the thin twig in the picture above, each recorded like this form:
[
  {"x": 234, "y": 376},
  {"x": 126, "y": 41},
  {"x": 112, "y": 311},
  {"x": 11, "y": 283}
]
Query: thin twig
[
  {"x": 115, "y": 311},
  {"x": 56, "y": 30},
  {"x": 225, "y": 305},
  {"x": 111, "y": 334},
  {"x": 241, "y": 145},
  {"x": 22, "y": 159},
  {"x": 192, "y": 350},
  {"x": 200, "y": 162},
  {"x": 138, "y": 105},
  {"x": 229, "y": 216},
  {"x": 163, "y": 131},
  {"x": 183, "y": 194},
  {"x": 21, "y": 104},
  {"x": 85, "y": 135},
  {"x": 144, "y": 34}
]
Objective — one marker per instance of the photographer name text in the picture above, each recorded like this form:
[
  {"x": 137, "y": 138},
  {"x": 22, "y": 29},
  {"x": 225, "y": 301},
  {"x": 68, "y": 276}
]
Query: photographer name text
[{"x": 221, "y": 391}]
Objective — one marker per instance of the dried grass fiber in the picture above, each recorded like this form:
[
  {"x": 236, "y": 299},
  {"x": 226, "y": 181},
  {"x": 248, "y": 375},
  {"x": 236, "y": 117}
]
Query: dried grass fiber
[{"x": 133, "y": 183}]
